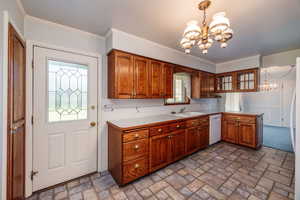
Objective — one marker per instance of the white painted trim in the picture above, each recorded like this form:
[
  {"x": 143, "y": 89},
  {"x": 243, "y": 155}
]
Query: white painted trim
[
  {"x": 29, "y": 111},
  {"x": 4, "y": 101},
  {"x": 99, "y": 106},
  {"x": 21, "y": 7},
  {"x": 256, "y": 57},
  {"x": 65, "y": 27},
  {"x": 29, "y": 99},
  {"x": 297, "y": 139},
  {"x": 165, "y": 47}
]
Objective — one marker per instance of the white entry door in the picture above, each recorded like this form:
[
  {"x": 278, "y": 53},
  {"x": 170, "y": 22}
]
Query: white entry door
[{"x": 65, "y": 116}]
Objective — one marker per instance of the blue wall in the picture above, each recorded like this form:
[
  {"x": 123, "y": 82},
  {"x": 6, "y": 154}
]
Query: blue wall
[{"x": 278, "y": 138}]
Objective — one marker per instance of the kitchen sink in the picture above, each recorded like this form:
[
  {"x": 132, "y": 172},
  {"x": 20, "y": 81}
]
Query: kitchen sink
[{"x": 189, "y": 114}]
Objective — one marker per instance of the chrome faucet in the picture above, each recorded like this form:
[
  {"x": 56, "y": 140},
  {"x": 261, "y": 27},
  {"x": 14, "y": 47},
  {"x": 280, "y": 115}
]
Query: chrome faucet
[{"x": 182, "y": 110}]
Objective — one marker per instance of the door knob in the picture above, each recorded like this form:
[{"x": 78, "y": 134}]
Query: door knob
[{"x": 93, "y": 124}]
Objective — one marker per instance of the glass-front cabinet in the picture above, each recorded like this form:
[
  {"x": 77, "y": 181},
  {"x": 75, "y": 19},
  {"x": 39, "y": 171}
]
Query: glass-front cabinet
[
  {"x": 225, "y": 82},
  {"x": 238, "y": 81},
  {"x": 247, "y": 80}
]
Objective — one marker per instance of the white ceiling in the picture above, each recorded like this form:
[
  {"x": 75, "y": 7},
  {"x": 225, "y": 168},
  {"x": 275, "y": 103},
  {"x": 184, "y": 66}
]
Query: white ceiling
[{"x": 261, "y": 26}]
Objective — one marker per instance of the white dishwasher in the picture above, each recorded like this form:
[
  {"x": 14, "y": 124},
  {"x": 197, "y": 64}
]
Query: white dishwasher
[{"x": 214, "y": 128}]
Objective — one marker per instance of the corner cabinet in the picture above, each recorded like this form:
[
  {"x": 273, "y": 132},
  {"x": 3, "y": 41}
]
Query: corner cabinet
[
  {"x": 136, "y": 77},
  {"x": 203, "y": 85}
]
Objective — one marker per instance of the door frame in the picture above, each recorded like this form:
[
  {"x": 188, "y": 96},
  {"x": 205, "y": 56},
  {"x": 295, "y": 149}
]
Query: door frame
[
  {"x": 30, "y": 44},
  {"x": 4, "y": 82}
]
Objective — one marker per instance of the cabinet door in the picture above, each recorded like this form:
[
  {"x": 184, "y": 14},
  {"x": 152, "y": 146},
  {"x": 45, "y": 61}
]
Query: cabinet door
[
  {"x": 167, "y": 84},
  {"x": 141, "y": 77},
  {"x": 204, "y": 137},
  {"x": 195, "y": 85},
  {"x": 192, "y": 139},
  {"x": 156, "y": 79},
  {"x": 178, "y": 145},
  {"x": 159, "y": 151},
  {"x": 124, "y": 75},
  {"x": 247, "y": 134},
  {"x": 230, "y": 131},
  {"x": 204, "y": 84},
  {"x": 211, "y": 80}
]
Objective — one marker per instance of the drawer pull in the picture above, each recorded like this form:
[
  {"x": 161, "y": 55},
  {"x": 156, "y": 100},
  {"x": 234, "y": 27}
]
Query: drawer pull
[
  {"x": 160, "y": 130},
  {"x": 136, "y": 166},
  {"x": 136, "y": 147},
  {"x": 170, "y": 136},
  {"x": 136, "y": 135},
  {"x": 178, "y": 126}
]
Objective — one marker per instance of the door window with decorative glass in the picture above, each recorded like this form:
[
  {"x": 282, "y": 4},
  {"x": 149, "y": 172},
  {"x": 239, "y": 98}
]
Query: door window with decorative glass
[
  {"x": 67, "y": 91},
  {"x": 181, "y": 88}
]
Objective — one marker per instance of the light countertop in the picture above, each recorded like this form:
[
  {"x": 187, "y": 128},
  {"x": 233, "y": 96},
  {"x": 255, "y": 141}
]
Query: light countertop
[{"x": 133, "y": 122}]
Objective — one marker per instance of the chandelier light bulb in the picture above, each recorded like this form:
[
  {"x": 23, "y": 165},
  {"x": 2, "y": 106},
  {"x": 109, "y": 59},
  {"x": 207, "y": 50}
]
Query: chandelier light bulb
[
  {"x": 220, "y": 23},
  {"x": 187, "y": 51},
  {"x": 224, "y": 45},
  {"x": 205, "y": 51},
  {"x": 192, "y": 31}
]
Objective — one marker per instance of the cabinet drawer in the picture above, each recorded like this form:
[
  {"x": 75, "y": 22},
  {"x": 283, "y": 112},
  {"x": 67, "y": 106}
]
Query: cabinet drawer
[
  {"x": 135, "y": 149},
  {"x": 159, "y": 130},
  {"x": 240, "y": 118},
  {"x": 192, "y": 123},
  {"x": 135, "y": 169},
  {"x": 204, "y": 121},
  {"x": 135, "y": 135},
  {"x": 177, "y": 126}
]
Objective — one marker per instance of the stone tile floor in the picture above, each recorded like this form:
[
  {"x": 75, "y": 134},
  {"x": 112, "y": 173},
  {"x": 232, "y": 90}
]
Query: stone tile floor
[{"x": 222, "y": 171}]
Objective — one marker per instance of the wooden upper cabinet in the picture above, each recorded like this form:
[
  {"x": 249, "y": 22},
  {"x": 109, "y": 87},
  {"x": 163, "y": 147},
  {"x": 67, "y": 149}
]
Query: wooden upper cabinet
[
  {"x": 238, "y": 81},
  {"x": 167, "y": 77},
  {"x": 141, "y": 77},
  {"x": 226, "y": 82},
  {"x": 156, "y": 79},
  {"x": 247, "y": 80},
  {"x": 203, "y": 85},
  {"x": 120, "y": 75}
]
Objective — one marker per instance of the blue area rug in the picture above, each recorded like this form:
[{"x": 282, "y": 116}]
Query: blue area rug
[{"x": 277, "y": 138}]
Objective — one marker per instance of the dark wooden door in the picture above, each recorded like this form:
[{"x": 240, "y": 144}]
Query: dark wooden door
[
  {"x": 141, "y": 77},
  {"x": 204, "y": 137},
  {"x": 167, "y": 84},
  {"x": 247, "y": 134},
  {"x": 159, "y": 151},
  {"x": 230, "y": 131},
  {"x": 193, "y": 139},
  {"x": 16, "y": 116},
  {"x": 124, "y": 75},
  {"x": 156, "y": 79},
  {"x": 178, "y": 145}
]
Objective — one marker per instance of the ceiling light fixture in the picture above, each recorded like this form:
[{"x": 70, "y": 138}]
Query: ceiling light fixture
[{"x": 218, "y": 30}]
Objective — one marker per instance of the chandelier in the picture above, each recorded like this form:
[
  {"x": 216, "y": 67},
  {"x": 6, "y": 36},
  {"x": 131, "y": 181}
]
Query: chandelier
[{"x": 218, "y": 30}]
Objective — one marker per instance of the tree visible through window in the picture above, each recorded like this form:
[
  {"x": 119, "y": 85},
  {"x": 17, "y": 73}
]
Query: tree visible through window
[{"x": 181, "y": 89}]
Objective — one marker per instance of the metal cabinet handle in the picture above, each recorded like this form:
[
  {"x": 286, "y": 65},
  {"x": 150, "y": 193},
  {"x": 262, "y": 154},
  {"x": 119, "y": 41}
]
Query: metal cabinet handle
[
  {"x": 178, "y": 126},
  {"x": 160, "y": 130},
  {"x": 93, "y": 124},
  {"x": 136, "y": 166},
  {"x": 136, "y": 135},
  {"x": 136, "y": 147}
]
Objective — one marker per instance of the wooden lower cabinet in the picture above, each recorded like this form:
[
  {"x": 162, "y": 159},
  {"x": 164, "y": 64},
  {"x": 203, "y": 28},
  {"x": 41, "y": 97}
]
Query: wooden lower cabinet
[
  {"x": 247, "y": 134},
  {"x": 159, "y": 151},
  {"x": 137, "y": 151},
  {"x": 177, "y": 145},
  {"x": 230, "y": 131},
  {"x": 203, "y": 136},
  {"x": 246, "y": 130},
  {"x": 192, "y": 139}
]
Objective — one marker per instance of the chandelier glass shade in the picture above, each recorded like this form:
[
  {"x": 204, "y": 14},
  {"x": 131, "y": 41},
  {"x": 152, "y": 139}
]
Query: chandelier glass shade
[{"x": 218, "y": 30}]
